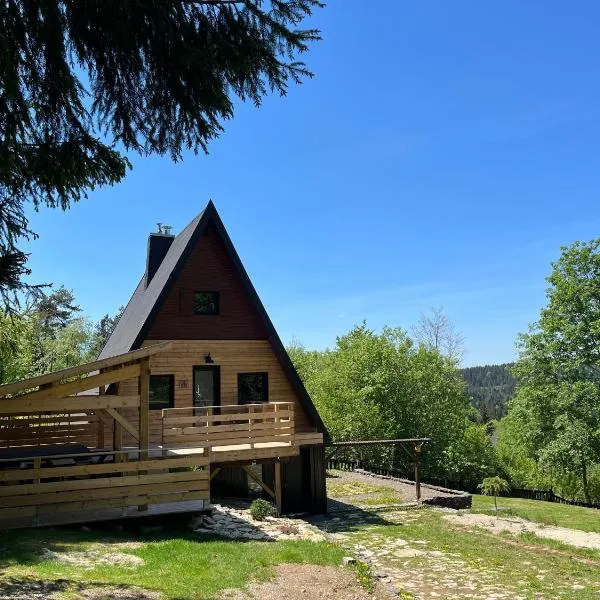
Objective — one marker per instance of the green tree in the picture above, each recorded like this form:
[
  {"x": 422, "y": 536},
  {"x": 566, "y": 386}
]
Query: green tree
[
  {"x": 82, "y": 81},
  {"x": 470, "y": 457},
  {"x": 555, "y": 411},
  {"x": 381, "y": 386},
  {"x": 103, "y": 329},
  {"x": 494, "y": 486}
]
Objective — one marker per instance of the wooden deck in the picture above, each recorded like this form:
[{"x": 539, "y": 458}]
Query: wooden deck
[
  {"x": 105, "y": 514},
  {"x": 42, "y": 418}
]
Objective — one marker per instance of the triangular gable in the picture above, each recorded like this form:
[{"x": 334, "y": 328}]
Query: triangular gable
[{"x": 146, "y": 302}]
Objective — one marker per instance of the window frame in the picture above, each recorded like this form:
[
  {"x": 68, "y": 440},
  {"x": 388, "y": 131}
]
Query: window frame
[
  {"x": 265, "y": 381},
  {"x": 171, "y": 391},
  {"x": 217, "y": 301}
]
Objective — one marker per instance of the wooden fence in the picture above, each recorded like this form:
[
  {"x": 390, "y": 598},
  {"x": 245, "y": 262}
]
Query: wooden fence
[
  {"x": 28, "y": 488},
  {"x": 211, "y": 427},
  {"x": 46, "y": 429}
]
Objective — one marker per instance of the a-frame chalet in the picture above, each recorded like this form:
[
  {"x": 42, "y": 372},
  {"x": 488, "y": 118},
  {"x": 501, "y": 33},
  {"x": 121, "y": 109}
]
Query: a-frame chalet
[{"x": 225, "y": 357}]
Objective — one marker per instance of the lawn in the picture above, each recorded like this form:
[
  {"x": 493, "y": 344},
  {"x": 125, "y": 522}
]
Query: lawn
[
  {"x": 431, "y": 557},
  {"x": 547, "y": 513},
  {"x": 178, "y": 565}
]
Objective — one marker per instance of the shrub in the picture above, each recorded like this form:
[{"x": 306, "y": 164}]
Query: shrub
[{"x": 260, "y": 509}]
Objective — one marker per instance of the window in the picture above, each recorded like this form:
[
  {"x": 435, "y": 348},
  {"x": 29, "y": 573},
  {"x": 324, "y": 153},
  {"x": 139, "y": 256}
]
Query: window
[
  {"x": 206, "y": 303},
  {"x": 162, "y": 391},
  {"x": 253, "y": 387}
]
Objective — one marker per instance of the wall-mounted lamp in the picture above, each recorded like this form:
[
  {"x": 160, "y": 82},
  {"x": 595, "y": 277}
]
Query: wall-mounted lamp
[{"x": 208, "y": 359}]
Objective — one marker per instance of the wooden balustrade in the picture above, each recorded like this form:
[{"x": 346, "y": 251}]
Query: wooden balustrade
[{"x": 214, "y": 427}]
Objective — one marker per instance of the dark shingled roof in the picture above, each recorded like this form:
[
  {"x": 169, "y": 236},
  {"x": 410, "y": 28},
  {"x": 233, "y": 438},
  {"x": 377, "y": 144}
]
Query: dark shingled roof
[
  {"x": 139, "y": 308},
  {"x": 145, "y": 303}
]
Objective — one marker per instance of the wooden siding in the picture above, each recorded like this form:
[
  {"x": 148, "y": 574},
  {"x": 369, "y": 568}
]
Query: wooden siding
[
  {"x": 233, "y": 357},
  {"x": 208, "y": 268}
]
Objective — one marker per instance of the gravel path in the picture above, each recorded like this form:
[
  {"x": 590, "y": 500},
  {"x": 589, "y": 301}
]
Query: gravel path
[{"x": 574, "y": 537}]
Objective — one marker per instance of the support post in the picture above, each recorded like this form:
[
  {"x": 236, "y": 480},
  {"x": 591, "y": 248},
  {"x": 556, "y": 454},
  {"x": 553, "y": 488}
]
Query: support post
[
  {"x": 278, "y": 487},
  {"x": 100, "y": 422},
  {"x": 144, "y": 414},
  {"x": 144, "y": 427},
  {"x": 417, "y": 455}
]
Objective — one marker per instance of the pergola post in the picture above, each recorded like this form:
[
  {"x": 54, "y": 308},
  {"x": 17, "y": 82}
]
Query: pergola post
[{"x": 417, "y": 455}]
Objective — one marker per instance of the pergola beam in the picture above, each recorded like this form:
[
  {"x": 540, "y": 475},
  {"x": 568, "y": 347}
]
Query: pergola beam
[{"x": 105, "y": 363}]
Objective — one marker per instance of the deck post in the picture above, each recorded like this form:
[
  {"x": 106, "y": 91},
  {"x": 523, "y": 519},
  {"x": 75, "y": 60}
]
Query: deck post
[
  {"x": 100, "y": 422},
  {"x": 144, "y": 426},
  {"x": 278, "y": 487},
  {"x": 144, "y": 408},
  {"x": 417, "y": 454}
]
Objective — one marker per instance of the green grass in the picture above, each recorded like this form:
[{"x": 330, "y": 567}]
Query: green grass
[
  {"x": 380, "y": 500},
  {"x": 353, "y": 488},
  {"x": 523, "y": 566},
  {"x": 547, "y": 513},
  {"x": 181, "y": 565}
]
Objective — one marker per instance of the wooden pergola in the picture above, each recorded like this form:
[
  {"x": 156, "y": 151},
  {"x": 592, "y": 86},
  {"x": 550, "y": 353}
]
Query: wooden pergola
[
  {"x": 65, "y": 391},
  {"x": 416, "y": 443}
]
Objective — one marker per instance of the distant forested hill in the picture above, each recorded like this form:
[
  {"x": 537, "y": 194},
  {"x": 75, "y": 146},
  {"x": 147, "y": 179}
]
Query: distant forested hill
[{"x": 490, "y": 387}]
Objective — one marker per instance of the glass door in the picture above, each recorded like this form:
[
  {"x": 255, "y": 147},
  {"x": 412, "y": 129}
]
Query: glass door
[{"x": 206, "y": 386}]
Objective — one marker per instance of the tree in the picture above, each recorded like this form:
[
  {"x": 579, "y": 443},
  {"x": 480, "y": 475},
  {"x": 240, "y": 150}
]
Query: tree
[
  {"x": 435, "y": 331},
  {"x": 84, "y": 80},
  {"x": 469, "y": 457},
  {"x": 558, "y": 370},
  {"x": 103, "y": 329},
  {"x": 380, "y": 386},
  {"x": 494, "y": 486}
]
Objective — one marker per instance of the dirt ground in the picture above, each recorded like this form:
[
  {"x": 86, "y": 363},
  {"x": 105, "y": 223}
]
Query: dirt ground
[
  {"x": 574, "y": 537},
  {"x": 308, "y": 582}
]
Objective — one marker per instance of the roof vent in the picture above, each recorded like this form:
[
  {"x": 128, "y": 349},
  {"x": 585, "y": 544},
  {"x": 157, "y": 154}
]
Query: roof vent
[{"x": 159, "y": 243}]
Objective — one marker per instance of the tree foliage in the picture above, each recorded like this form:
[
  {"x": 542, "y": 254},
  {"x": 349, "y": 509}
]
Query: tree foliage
[
  {"x": 489, "y": 388},
  {"x": 81, "y": 79},
  {"x": 555, "y": 415},
  {"x": 47, "y": 335},
  {"x": 383, "y": 386}
]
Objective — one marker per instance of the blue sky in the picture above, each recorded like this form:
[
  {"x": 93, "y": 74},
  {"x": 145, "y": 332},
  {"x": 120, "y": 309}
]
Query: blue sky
[{"x": 441, "y": 156}]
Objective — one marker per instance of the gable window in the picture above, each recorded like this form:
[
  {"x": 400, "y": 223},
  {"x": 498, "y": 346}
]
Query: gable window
[
  {"x": 162, "y": 391},
  {"x": 206, "y": 303},
  {"x": 253, "y": 387}
]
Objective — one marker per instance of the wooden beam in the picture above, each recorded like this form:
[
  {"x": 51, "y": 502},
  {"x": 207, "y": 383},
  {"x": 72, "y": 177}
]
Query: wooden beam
[
  {"x": 80, "y": 385},
  {"x": 19, "y": 406},
  {"x": 260, "y": 482},
  {"x": 278, "y": 487},
  {"x": 119, "y": 418},
  {"x": 26, "y": 384},
  {"x": 215, "y": 472}
]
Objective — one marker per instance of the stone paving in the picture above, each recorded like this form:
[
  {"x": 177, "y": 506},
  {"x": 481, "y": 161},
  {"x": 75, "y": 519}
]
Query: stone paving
[
  {"x": 409, "y": 568},
  {"x": 237, "y": 523}
]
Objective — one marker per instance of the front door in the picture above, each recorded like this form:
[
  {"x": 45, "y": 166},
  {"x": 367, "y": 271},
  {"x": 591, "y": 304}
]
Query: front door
[{"x": 206, "y": 386}]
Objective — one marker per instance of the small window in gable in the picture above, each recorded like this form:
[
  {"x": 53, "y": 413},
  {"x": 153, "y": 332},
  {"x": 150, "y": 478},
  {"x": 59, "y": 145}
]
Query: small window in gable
[
  {"x": 206, "y": 303},
  {"x": 253, "y": 388}
]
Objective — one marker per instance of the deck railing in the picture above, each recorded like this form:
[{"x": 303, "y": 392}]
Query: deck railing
[
  {"x": 97, "y": 481},
  {"x": 214, "y": 427}
]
